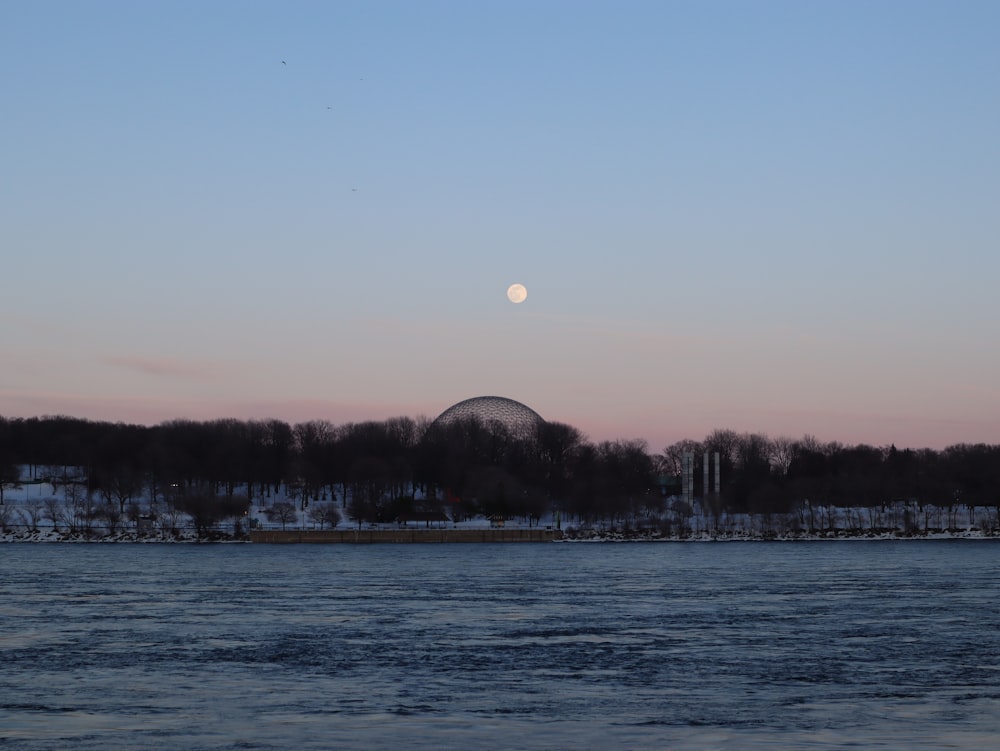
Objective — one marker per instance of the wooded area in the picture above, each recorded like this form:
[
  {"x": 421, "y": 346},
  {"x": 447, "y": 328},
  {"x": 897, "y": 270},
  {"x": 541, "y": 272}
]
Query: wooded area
[{"x": 380, "y": 471}]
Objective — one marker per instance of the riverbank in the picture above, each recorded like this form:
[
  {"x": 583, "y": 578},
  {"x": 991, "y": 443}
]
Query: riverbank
[
  {"x": 742, "y": 536},
  {"x": 437, "y": 536},
  {"x": 51, "y": 536},
  {"x": 397, "y": 536}
]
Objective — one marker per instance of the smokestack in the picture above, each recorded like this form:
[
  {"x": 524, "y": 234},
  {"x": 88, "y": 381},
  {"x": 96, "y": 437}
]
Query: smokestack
[{"x": 686, "y": 476}]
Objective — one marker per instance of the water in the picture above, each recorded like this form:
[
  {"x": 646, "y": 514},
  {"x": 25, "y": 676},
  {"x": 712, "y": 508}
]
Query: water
[{"x": 530, "y": 646}]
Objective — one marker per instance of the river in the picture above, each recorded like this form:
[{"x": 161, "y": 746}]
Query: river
[{"x": 753, "y": 645}]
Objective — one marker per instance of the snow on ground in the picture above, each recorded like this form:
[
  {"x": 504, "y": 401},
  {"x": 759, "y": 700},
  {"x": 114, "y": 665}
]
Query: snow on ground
[{"x": 35, "y": 500}]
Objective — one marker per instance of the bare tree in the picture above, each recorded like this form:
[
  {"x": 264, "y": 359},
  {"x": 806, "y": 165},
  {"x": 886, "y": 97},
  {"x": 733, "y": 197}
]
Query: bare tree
[
  {"x": 207, "y": 508},
  {"x": 727, "y": 443},
  {"x": 361, "y": 509},
  {"x": 5, "y": 518},
  {"x": 315, "y": 441},
  {"x": 112, "y": 516},
  {"x": 671, "y": 461},
  {"x": 56, "y": 475},
  {"x": 134, "y": 514},
  {"x": 369, "y": 488},
  {"x": 121, "y": 486},
  {"x": 54, "y": 511},
  {"x": 31, "y": 514},
  {"x": 80, "y": 508},
  {"x": 168, "y": 518},
  {"x": 682, "y": 513},
  {"x": 10, "y": 477},
  {"x": 782, "y": 453},
  {"x": 282, "y": 512},
  {"x": 323, "y": 514}
]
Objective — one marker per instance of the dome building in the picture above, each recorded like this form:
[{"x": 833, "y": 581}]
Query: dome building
[{"x": 518, "y": 418}]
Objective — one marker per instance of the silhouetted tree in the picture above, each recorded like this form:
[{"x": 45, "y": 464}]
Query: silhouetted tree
[
  {"x": 277, "y": 443},
  {"x": 31, "y": 514},
  {"x": 324, "y": 514},
  {"x": 315, "y": 441},
  {"x": 10, "y": 476},
  {"x": 555, "y": 449},
  {"x": 282, "y": 512},
  {"x": 6, "y": 515},
  {"x": 207, "y": 508},
  {"x": 368, "y": 489},
  {"x": 53, "y": 511}
]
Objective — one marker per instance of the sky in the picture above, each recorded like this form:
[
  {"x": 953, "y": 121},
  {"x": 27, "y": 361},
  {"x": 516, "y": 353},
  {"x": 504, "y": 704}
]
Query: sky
[{"x": 773, "y": 217}]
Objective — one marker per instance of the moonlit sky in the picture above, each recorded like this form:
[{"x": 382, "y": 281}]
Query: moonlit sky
[{"x": 779, "y": 217}]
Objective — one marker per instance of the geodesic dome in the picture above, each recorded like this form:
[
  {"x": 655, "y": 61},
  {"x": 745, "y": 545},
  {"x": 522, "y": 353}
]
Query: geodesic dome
[{"x": 516, "y": 417}]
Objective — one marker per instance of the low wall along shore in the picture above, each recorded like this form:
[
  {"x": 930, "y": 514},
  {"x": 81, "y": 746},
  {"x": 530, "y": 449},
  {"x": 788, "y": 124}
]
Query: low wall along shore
[{"x": 365, "y": 536}]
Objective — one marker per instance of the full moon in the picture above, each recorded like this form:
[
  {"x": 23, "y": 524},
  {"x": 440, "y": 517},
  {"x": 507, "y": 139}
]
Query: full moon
[{"x": 517, "y": 293}]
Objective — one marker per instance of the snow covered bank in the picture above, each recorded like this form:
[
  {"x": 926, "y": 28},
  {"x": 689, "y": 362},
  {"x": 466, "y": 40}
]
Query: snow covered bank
[
  {"x": 49, "y": 535},
  {"x": 572, "y": 535}
]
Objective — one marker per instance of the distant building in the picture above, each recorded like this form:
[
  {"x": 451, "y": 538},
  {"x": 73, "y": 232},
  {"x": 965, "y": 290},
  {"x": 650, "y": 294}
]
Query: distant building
[{"x": 518, "y": 418}]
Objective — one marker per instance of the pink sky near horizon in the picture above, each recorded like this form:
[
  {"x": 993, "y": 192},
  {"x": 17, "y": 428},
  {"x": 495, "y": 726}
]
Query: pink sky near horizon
[{"x": 846, "y": 428}]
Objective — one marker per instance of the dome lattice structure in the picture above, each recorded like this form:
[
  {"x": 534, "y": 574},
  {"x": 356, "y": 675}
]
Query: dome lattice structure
[{"x": 516, "y": 417}]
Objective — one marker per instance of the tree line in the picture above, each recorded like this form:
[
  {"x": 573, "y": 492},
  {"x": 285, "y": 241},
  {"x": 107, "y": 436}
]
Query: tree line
[{"x": 380, "y": 471}]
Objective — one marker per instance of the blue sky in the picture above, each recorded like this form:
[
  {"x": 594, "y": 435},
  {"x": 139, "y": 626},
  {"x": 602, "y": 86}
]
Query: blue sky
[{"x": 767, "y": 216}]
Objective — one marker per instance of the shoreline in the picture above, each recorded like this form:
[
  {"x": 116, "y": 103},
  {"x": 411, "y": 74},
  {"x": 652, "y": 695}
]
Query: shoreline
[{"x": 468, "y": 536}]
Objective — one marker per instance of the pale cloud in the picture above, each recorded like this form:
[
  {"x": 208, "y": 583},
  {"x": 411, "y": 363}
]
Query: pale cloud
[{"x": 166, "y": 367}]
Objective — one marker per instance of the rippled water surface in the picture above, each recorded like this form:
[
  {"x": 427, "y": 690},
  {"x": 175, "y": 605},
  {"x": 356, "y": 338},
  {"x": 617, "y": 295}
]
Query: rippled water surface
[{"x": 529, "y": 646}]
